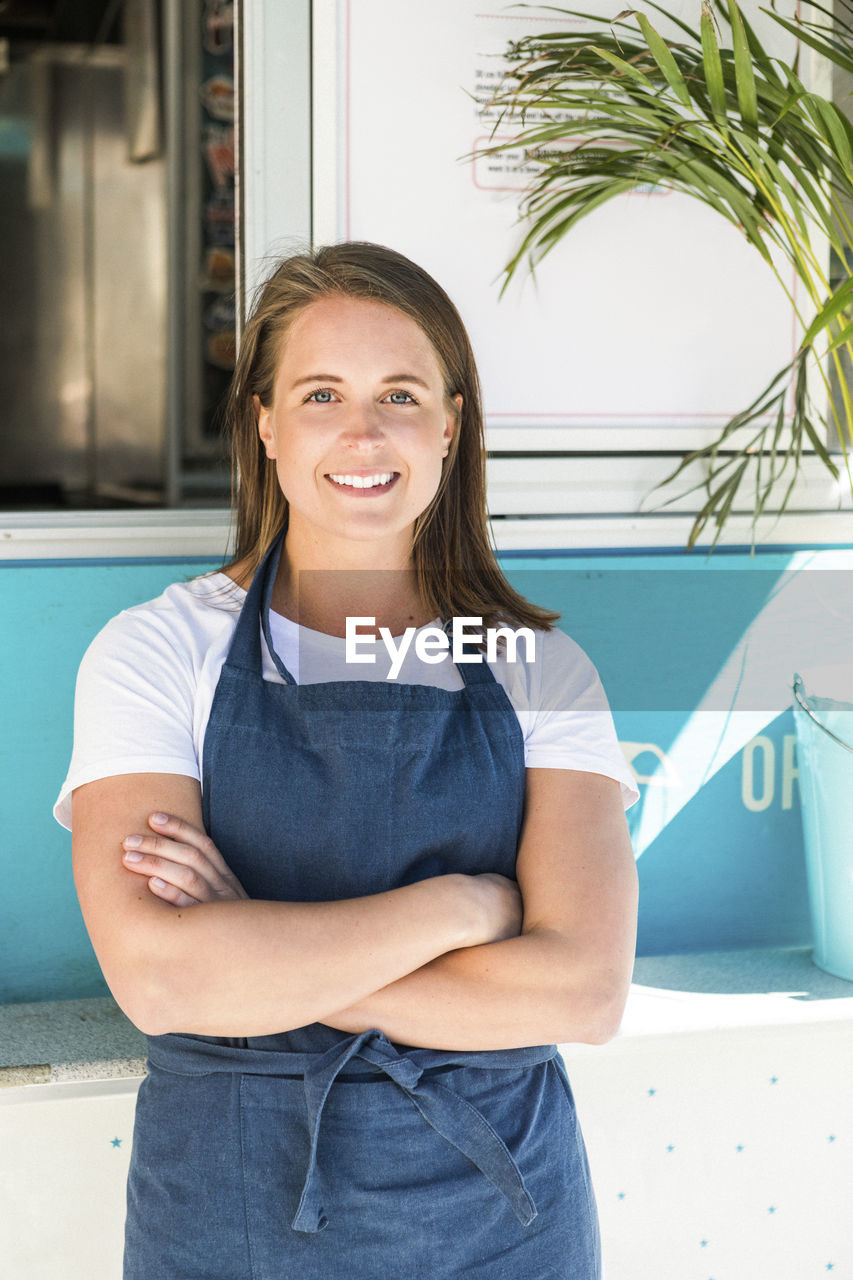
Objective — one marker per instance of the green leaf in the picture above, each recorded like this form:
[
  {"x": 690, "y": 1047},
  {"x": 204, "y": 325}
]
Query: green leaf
[
  {"x": 819, "y": 447},
  {"x": 827, "y": 49},
  {"x": 733, "y": 486},
  {"x": 744, "y": 75},
  {"x": 834, "y": 15},
  {"x": 760, "y": 56},
  {"x": 619, "y": 64},
  {"x": 662, "y": 55},
  {"x": 762, "y": 502},
  {"x": 763, "y": 160},
  {"x": 838, "y": 302},
  {"x": 713, "y": 66},
  {"x": 742, "y": 208},
  {"x": 830, "y": 123},
  {"x": 814, "y": 201},
  {"x": 671, "y": 17},
  {"x": 846, "y": 335}
]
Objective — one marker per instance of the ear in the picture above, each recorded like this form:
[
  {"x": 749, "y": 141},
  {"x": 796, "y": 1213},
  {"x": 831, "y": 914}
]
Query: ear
[
  {"x": 265, "y": 430},
  {"x": 452, "y": 421}
]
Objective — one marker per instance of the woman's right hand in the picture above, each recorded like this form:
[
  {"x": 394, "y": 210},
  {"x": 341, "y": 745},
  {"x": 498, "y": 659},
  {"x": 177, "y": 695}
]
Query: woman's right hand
[{"x": 499, "y": 910}]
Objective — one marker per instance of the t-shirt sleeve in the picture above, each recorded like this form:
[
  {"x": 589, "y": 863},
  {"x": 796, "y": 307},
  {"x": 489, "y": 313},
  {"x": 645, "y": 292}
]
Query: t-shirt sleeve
[
  {"x": 567, "y": 720},
  {"x": 133, "y": 706}
]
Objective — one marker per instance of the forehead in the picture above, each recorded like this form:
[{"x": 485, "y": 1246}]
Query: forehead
[{"x": 357, "y": 334}]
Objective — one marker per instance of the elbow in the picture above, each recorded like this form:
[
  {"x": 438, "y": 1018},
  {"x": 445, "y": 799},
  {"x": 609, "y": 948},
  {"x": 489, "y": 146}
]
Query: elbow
[
  {"x": 596, "y": 1017},
  {"x": 602, "y": 1029},
  {"x": 144, "y": 1005},
  {"x": 145, "y": 1018},
  {"x": 145, "y": 992},
  {"x": 154, "y": 1017}
]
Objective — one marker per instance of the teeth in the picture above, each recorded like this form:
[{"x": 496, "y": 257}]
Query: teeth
[{"x": 363, "y": 482}]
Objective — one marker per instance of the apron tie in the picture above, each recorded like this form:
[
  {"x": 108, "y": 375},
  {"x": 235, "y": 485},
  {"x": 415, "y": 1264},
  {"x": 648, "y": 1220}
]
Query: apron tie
[{"x": 458, "y": 1122}]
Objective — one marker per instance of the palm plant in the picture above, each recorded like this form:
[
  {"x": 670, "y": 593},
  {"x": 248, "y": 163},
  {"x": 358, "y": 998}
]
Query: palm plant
[{"x": 736, "y": 128}]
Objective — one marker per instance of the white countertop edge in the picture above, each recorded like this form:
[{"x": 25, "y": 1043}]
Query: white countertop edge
[
  {"x": 51, "y": 1091},
  {"x": 652, "y": 1011},
  {"x": 194, "y": 532}
]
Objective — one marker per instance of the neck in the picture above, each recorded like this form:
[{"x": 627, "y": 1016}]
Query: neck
[{"x": 366, "y": 580}]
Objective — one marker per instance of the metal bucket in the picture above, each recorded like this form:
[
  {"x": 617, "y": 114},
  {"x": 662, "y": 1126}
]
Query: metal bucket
[{"x": 825, "y": 761}]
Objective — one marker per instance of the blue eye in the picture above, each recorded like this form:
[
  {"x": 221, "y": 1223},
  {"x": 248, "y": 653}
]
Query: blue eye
[
  {"x": 406, "y": 398},
  {"x": 320, "y": 396}
]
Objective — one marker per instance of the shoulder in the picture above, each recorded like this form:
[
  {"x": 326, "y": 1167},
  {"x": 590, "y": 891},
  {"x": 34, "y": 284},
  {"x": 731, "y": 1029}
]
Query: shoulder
[
  {"x": 182, "y": 623},
  {"x": 558, "y": 647},
  {"x": 552, "y": 670},
  {"x": 564, "y": 712}
]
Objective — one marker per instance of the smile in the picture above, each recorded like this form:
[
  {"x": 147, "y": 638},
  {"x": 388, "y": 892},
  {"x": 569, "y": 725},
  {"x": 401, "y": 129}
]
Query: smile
[{"x": 379, "y": 482}]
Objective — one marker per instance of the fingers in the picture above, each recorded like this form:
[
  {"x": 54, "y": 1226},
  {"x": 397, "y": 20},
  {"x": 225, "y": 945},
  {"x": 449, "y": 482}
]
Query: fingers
[
  {"x": 186, "y": 833},
  {"x": 183, "y": 868},
  {"x": 169, "y": 893},
  {"x": 170, "y": 876}
]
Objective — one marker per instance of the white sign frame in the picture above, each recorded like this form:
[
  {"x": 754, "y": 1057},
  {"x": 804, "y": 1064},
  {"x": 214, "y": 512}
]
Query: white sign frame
[{"x": 511, "y": 429}]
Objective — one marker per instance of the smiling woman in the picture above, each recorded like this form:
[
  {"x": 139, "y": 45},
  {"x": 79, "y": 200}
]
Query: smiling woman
[
  {"x": 358, "y": 456},
  {"x": 353, "y": 915}
]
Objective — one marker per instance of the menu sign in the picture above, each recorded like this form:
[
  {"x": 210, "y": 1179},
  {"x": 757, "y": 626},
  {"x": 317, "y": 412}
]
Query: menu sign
[{"x": 654, "y": 311}]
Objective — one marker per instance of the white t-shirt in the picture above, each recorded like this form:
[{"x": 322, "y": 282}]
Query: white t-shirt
[{"x": 146, "y": 685}]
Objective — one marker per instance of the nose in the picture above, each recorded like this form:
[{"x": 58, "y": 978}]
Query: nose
[{"x": 362, "y": 430}]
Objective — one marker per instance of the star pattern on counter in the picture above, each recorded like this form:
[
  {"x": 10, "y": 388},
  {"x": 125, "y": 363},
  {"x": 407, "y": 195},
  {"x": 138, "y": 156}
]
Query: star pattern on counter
[{"x": 759, "y": 1163}]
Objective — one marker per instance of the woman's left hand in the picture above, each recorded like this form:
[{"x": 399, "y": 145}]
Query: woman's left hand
[{"x": 182, "y": 863}]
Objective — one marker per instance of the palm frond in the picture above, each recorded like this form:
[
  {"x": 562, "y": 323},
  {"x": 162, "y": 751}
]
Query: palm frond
[{"x": 711, "y": 114}]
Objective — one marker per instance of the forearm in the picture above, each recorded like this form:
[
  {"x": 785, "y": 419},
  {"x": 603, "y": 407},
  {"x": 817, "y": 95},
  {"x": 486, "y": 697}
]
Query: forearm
[
  {"x": 533, "y": 989},
  {"x": 255, "y": 968},
  {"x": 237, "y": 967}
]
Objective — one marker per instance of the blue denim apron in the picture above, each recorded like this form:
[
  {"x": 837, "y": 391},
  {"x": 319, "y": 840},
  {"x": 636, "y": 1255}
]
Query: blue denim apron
[{"x": 315, "y": 1154}]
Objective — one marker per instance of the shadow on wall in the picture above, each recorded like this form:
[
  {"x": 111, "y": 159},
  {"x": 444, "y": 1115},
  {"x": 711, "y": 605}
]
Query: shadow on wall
[
  {"x": 697, "y": 658},
  {"x": 728, "y": 869}
]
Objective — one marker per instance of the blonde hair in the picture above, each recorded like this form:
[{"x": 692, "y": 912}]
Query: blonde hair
[{"x": 455, "y": 564}]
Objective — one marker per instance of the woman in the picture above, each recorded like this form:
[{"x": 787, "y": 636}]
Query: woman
[{"x": 353, "y": 911}]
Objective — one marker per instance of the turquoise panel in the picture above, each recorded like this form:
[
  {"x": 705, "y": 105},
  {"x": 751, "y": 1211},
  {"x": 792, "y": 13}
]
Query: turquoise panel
[
  {"x": 697, "y": 658},
  {"x": 694, "y": 653},
  {"x": 49, "y": 615}
]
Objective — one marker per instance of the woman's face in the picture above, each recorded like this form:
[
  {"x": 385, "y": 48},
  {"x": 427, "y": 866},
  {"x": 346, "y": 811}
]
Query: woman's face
[{"x": 358, "y": 425}]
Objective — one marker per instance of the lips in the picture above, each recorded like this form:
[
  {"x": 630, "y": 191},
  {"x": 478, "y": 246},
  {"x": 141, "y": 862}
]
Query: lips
[{"x": 368, "y": 483}]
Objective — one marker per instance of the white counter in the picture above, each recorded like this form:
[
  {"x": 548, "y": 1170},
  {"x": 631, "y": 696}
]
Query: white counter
[{"x": 719, "y": 1125}]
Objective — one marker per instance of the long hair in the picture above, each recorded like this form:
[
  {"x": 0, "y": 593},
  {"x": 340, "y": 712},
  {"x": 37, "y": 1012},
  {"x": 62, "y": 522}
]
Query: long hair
[{"x": 457, "y": 573}]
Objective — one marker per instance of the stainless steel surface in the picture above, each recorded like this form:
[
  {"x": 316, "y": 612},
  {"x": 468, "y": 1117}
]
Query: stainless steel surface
[
  {"x": 111, "y": 365},
  {"x": 128, "y": 226},
  {"x": 174, "y": 21},
  {"x": 142, "y": 81},
  {"x": 82, "y": 237}
]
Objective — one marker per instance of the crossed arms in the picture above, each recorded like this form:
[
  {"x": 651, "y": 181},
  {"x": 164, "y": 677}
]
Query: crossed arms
[{"x": 453, "y": 962}]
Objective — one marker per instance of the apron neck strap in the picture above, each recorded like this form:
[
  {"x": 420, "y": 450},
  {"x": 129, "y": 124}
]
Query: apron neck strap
[
  {"x": 476, "y": 672},
  {"x": 245, "y": 651},
  {"x": 472, "y": 672}
]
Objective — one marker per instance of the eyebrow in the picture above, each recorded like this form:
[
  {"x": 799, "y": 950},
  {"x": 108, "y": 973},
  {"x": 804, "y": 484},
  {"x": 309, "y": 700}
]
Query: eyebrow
[
  {"x": 331, "y": 377},
  {"x": 406, "y": 377},
  {"x": 317, "y": 377}
]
